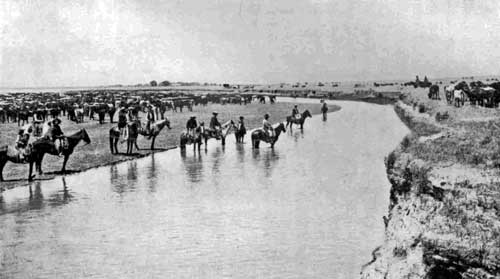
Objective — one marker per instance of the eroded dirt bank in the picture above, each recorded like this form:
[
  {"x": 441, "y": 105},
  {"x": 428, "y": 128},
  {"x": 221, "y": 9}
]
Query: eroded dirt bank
[{"x": 444, "y": 216}]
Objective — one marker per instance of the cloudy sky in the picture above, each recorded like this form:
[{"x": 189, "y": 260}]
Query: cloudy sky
[{"x": 100, "y": 42}]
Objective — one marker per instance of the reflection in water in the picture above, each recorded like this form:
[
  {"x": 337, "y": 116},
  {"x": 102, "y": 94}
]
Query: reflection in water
[
  {"x": 240, "y": 153},
  {"x": 297, "y": 134},
  {"x": 218, "y": 158},
  {"x": 152, "y": 175},
  {"x": 268, "y": 158},
  {"x": 60, "y": 197},
  {"x": 193, "y": 165},
  {"x": 36, "y": 197},
  {"x": 121, "y": 185}
]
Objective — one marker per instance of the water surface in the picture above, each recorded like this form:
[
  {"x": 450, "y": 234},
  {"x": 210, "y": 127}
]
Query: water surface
[{"x": 310, "y": 208}]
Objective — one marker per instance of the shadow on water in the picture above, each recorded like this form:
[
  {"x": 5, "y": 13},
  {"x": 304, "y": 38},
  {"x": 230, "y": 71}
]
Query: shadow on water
[{"x": 193, "y": 165}]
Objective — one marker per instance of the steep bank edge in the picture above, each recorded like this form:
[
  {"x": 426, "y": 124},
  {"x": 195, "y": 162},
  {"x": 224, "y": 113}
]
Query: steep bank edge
[{"x": 436, "y": 228}]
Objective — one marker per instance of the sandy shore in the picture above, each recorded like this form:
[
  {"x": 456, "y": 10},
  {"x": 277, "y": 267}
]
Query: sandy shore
[
  {"x": 443, "y": 220},
  {"x": 98, "y": 152}
]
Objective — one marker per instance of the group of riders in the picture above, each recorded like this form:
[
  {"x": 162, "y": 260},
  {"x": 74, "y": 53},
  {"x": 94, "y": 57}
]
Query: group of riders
[
  {"x": 194, "y": 129},
  {"x": 51, "y": 130}
]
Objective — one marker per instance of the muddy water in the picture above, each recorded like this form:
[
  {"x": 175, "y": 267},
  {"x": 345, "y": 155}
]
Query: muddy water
[{"x": 310, "y": 208}]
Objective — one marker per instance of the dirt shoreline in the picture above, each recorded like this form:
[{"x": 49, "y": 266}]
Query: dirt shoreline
[
  {"x": 444, "y": 212},
  {"x": 85, "y": 157}
]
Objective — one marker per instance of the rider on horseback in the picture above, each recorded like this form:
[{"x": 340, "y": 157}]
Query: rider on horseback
[
  {"x": 191, "y": 126},
  {"x": 215, "y": 126},
  {"x": 267, "y": 127},
  {"x": 296, "y": 113},
  {"x": 22, "y": 140},
  {"x": 150, "y": 118}
]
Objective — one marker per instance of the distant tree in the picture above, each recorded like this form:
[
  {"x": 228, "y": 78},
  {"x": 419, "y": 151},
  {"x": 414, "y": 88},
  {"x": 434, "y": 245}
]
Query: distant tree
[
  {"x": 165, "y": 83},
  {"x": 153, "y": 83}
]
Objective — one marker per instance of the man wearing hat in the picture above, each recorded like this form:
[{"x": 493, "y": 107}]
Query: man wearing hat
[
  {"x": 267, "y": 126},
  {"x": 241, "y": 126},
  {"x": 295, "y": 112},
  {"x": 215, "y": 125},
  {"x": 191, "y": 126}
]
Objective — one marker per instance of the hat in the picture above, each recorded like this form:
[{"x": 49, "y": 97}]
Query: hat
[
  {"x": 241, "y": 117},
  {"x": 266, "y": 115},
  {"x": 215, "y": 113},
  {"x": 193, "y": 116},
  {"x": 56, "y": 121}
]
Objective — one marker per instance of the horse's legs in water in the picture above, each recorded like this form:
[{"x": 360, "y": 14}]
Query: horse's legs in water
[
  {"x": 153, "y": 143},
  {"x": 223, "y": 140},
  {"x": 136, "y": 146},
  {"x": 206, "y": 140},
  {"x": 30, "y": 177},
  {"x": 38, "y": 164},
  {"x": 66, "y": 157}
]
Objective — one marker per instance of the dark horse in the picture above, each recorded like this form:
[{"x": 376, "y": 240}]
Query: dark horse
[
  {"x": 154, "y": 131},
  {"x": 293, "y": 120},
  {"x": 72, "y": 142},
  {"x": 239, "y": 133},
  {"x": 189, "y": 139},
  {"x": 259, "y": 135},
  {"x": 38, "y": 149},
  {"x": 434, "y": 92}
]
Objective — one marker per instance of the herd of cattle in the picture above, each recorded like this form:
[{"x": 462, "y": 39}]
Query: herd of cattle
[
  {"x": 476, "y": 92},
  {"x": 96, "y": 104}
]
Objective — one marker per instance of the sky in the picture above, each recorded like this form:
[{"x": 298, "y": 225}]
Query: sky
[{"x": 104, "y": 42}]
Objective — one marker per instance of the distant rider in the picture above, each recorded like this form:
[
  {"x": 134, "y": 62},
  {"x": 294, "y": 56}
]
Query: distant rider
[
  {"x": 267, "y": 127},
  {"x": 324, "y": 108},
  {"x": 215, "y": 125}
]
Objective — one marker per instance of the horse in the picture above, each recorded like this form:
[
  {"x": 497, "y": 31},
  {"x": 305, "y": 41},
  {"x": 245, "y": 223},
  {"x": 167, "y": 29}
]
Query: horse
[
  {"x": 79, "y": 113},
  {"x": 67, "y": 150},
  {"x": 133, "y": 132},
  {"x": 155, "y": 130},
  {"x": 38, "y": 149},
  {"x": 259, "y": 135},
  {"x": 239, "y": 133},
  {"x": 225, "y": 129},
  {"x": 458, "y": 97},
  {"x": 185, "y": 138},
  {"x": 293, "y": 120},
  {"x": 449, "y": 93},
  {"x": 434, "y": 92}
]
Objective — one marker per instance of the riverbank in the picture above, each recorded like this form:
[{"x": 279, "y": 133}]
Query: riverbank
[
  {"x": 98, "y": 152},
  {"x": 443, "y": 219}
]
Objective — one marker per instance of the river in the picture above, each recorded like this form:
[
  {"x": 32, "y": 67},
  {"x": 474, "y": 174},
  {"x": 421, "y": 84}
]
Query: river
[{"x": 310, "y": 208}]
